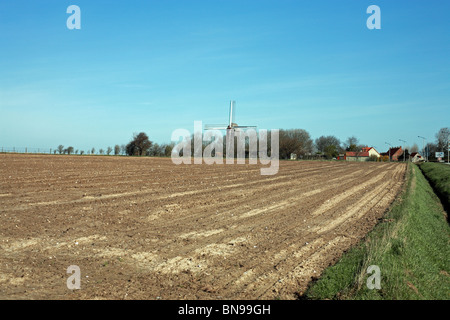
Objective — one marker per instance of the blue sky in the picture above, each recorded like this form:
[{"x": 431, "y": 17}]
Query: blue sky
[{"x": 156, "y": 66}]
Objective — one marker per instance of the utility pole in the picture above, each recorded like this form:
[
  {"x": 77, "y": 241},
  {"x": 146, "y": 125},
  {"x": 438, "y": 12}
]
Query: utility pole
[
  {"x": 404, "y": 154},
  {"x": 423, "y": 147},
  {"x": 389, "y": 151}
]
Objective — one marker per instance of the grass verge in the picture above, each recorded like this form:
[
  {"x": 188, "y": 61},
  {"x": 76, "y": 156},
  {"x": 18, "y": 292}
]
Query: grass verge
[
  {"x": 410, "y": 247},
  {"x": 438, "y": 176}
]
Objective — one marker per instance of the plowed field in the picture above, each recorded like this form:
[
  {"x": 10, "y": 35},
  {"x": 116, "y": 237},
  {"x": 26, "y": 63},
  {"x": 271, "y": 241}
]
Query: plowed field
[{"x": 144, "y": 228}]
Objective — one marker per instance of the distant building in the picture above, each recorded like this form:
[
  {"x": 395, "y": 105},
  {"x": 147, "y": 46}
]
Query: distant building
[
  {"x": 357, "y": 156},
  {"x": 363, "y": 155},
  {"x": 415, "y": 157},
  {"x": 393, "y": 153},
  {"x": 371, "y": 151}
]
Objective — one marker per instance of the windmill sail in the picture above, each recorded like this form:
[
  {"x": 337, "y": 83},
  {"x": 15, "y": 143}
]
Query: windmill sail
[
  {"x": 231, "y": 122},
  {"x": 232, "y": 114},
  {"x": 216, "y": 126}
]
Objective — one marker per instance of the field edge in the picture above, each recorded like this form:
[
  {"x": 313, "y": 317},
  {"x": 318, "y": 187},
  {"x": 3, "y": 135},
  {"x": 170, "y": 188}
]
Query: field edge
[{"x": 410, "y": 245}]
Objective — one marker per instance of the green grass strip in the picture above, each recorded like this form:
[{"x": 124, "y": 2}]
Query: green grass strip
[
  {"x": 438, "y": 174},
  {"x": 411, "y": 248}
]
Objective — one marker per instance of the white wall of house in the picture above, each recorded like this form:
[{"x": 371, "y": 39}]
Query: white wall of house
[
  {"x": 357, "y": 158},
  {"x": 373, "y": 152}
]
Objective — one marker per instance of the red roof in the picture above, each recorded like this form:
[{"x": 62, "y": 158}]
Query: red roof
[
  {"x": 367, "y": 149},
  {"x": 357, "y": 154},
  {"x": 394, "y": 150}
]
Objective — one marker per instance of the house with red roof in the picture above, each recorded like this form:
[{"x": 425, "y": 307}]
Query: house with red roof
[
  {"x": 393, "y": 153},
  {"x": 363, "y": 155}
]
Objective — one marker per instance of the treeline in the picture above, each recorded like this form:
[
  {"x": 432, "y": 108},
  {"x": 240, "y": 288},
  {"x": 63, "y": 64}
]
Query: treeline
[
  {"x": 441, "y": 144},
  {"x": 139, "y": 146},
  {"x": 297, "y": 141},
  {"x": 291, "y": 141}
]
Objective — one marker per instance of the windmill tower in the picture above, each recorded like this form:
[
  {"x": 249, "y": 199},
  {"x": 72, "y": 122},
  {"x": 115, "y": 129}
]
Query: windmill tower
[{"x": 231, "y": 128}]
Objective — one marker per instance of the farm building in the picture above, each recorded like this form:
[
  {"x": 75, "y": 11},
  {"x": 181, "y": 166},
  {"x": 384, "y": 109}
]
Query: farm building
[
  {"x": 357, "y": 156},
  {"x": 363, "y": 155},
  {"x": 371, "y": 151},
  {"x": 415, "y": 157},
  {"x": 394, "y": 153}
]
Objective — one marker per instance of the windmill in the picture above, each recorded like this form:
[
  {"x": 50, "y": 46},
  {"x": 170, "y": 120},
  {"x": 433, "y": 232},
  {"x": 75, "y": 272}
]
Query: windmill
[
  {"x": 231, "y": 124},
  {"x": 231, "y": 128}
]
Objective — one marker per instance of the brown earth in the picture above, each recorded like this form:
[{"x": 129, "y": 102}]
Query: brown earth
[{"x": 144, "y": 228}]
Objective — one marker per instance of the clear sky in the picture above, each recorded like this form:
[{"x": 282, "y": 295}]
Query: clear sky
[{"x": 156, "y": 66}]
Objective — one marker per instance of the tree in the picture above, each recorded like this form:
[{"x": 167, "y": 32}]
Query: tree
[
  {"x": 331, "y": 151},
  {"x": 139, "y": 146},
  {"x": 351, "y": 144},
  {"x": 101, "y": 151},
  {"x": 60, "y": 149},
  {"x": 296, "y": 141},
  {"x": 93, "y": 151},
  {"x": 123, "y": 149},
  {"x": 328, "y": 145},
  {"x": 168, "y": 149},
  {"x": 116, "y": 150},
  {"x": 156, "y": 150},
  {"x": 430, "y": 151},
  {"x": 442, "y": 140},
  {"x": 69, "y": 150},
  {"x": 81, "y": 152},
  {"x": 405, "y": 155},
  {"x": 414, "y": 148},
  {"x": 108, "y": 151}
]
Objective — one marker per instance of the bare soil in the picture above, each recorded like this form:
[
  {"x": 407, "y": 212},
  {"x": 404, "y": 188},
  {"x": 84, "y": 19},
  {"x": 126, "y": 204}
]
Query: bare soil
[{"x": 144, "y": 228}]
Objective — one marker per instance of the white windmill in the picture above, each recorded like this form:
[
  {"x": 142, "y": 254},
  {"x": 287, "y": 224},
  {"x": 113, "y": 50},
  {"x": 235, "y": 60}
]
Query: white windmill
[
  {"x": 231, "y": 128},
  {"x": 231, "y": 123}
]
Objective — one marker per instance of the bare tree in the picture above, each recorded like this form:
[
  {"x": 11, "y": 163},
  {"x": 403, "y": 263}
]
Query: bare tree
[
  {"x": 108, "y": 151},
  {"x": 351, "y": 144},
  {"x": 328, "y": 145},
  {"x": 323, "y": 142},
  {"x": 123, "y": 149},
  {"x": 60, "y": 149},
  {"x": 116, "y": 150},
  {"x": 430, "y": 150},
  {"x": 296, "y": 141},
  {"x": 442, "y": 140}
]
